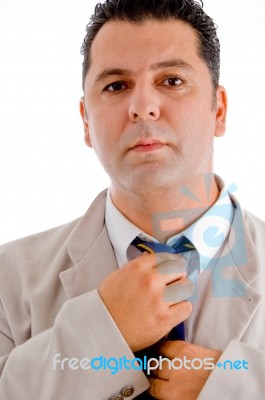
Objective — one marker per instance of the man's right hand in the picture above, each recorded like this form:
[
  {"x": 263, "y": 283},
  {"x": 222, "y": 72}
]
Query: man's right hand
[{"x": 145, "y": 297}]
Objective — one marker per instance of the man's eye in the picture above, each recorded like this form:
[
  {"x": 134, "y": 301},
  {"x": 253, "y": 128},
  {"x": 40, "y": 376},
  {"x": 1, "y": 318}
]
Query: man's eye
[
  {"x": 115, "y": 87},
  {"x": 173, "y": 81}
]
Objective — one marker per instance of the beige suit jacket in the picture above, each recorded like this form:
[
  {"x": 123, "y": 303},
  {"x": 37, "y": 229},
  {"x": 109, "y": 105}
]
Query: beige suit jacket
[{"x": 49, "y": 305}]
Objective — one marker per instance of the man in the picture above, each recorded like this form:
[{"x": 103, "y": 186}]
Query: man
[{"x": 152, "y": 106}]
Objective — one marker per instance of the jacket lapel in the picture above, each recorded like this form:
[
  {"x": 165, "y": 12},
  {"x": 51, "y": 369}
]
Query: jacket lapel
[
  {"x": 90, "y": 250},
  {"x": 230, "y": 302}
]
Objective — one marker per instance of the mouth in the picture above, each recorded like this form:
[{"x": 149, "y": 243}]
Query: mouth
[{"x": 148, "y": 145}]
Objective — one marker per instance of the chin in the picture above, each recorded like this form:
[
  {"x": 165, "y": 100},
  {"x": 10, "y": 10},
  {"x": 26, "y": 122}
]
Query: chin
[{"x": 153, "y": 185}]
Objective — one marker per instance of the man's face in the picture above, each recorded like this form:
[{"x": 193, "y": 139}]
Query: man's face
[{"x": 148, "y": 108}]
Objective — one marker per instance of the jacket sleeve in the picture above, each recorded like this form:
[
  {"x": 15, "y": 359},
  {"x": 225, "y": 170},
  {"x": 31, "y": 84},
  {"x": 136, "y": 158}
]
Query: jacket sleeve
[
  {"x": 54, "y": 364},
  {"x": 232, "y": 379}
]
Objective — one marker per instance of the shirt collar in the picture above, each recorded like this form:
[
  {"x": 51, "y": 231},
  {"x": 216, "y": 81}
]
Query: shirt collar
[
  {"x": 207, "y": 234},
  {"x": 121, "y": 231}
]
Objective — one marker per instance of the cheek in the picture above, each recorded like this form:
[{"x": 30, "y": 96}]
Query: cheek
[
  {"x": 194, "y": 127},
  {"x": 98, "y": 139},
  {"x": 107, "y": 118},
  {"x": 200, "y": 121},
  {"x": 102, "y": 141},
  {"x": 106, "y": 126}
]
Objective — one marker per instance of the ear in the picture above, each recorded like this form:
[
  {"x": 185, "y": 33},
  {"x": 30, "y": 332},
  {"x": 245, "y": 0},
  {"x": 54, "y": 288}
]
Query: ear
[
  {"x": 83, "y": 113},
  {"x": 221, "y": 110}
]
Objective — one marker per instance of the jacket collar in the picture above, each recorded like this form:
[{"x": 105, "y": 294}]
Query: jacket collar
[
  {"x": 90, "y": 250},
  {"x": 230, "y": 296}
]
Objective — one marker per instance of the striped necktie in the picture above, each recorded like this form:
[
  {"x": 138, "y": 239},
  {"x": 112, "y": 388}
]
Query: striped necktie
[{"x": 180, "y": 246}]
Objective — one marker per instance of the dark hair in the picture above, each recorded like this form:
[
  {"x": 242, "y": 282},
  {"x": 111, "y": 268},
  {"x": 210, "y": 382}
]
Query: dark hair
[{"x": 137, "y": 11}]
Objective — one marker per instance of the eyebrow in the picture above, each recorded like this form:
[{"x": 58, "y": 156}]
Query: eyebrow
[
  {"x": 177, "y": 62},
  {"x": 161, "y": 65}
]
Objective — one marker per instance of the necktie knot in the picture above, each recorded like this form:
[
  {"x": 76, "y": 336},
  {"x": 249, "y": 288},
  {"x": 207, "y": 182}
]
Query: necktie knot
[{"x": 182, "y": 245}]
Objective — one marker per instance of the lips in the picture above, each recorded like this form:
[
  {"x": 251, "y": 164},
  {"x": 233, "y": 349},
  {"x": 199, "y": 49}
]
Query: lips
[{"x": 148, "y": 145}]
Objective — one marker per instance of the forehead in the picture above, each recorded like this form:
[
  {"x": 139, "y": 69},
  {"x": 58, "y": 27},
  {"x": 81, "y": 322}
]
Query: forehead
[{"x": 140, "y": 44}]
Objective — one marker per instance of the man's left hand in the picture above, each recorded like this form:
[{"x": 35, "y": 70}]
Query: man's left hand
[{"x": 184, "y": 383}]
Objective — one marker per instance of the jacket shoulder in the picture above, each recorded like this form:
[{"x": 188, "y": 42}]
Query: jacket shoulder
[
  {"x": 256, "y": 229},
  {"x": 253, "y": 222}
]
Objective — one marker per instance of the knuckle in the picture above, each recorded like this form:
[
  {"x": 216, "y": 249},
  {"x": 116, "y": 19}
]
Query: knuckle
[
  {"x": 161, "y": 316},
  {"x": 182, "y": 312},
  {"x": 167, "y": 345},
  {"x": 142, "y": 263},
  {"x": 187, "y": 307},
  {"x": 188, "y": 285},
  {"x": 181, "y": 260},
  {"x": 148, "y": 282},
  {"x": 152, "y": 281},
  {"x": 135, "y": 266},
  {"x": 159, "y": 313},
  {"x": 155, "y": 388}
]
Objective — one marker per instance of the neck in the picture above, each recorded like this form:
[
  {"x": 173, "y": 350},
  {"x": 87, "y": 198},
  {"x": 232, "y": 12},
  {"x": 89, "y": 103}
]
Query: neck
[{"x": 167, "y": 213}]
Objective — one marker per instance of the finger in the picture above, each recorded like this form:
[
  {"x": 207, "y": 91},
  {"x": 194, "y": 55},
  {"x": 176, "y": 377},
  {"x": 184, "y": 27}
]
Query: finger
[
  {"x": 176, "y": 267},
  {"x": 158, "y": 389},
  {"x": 152, "y": 367},
  {"x": 179, "y": 291},
  {"x": 170, "y": 349},
  {"x": 178, "y": 262},
  {"x": 153, "y": 260},
  {"x": 163, "y": 371},
  {"x": 170, "y": 267},
  {"x": 179, "y": 312},
  {"x": 155, "y": 373}
]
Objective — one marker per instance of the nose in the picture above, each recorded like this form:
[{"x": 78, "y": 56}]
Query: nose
[{"x": 143, "y": 105}]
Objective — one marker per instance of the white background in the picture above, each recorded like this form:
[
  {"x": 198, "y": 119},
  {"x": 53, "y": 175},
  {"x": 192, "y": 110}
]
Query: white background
[{"x": 47, "y": 174}]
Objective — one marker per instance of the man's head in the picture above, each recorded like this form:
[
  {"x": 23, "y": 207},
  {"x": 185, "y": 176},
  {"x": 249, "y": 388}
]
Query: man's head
[
  {"x": 148, "y": 108},
  {"x": 137, "y": 11}
]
